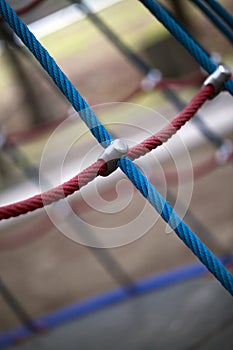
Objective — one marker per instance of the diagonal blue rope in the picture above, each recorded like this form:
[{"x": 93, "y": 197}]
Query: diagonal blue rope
[
  {"x": 215, "y": 19},
  {"x": 183, "y": 37},
  {"x": 98, "y": 130},
  {"x": 181, "y": 229},
  {"x": 59, "y": 78},
  {"x": 221, "y": 11}
]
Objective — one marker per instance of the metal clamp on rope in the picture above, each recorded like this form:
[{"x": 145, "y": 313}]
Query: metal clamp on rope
[
  {"x": 152, "y": 78},
  {"x": 218, "y": 78},
  {"x": 117, "y": 149}
]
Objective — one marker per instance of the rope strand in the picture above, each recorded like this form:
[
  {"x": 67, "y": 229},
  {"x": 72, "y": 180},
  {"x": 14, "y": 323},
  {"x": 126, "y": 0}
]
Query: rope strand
[
  {"x": 182, "y": 36},
  {"x": 125, "y": 164}
]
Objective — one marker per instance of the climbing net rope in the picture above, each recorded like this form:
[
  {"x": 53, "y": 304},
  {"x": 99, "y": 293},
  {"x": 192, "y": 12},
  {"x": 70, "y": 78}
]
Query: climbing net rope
[{"x": 105, "y": 139}]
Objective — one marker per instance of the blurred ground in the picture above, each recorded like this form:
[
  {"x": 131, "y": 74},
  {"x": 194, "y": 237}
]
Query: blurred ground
[
  {"x": 53, "y": 271},
  {"x": 175, "y": 318}
]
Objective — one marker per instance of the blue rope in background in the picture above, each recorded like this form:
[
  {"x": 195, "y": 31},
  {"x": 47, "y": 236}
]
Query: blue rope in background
[
  {"x": 110, "y": 297},
  {"x": 59, "y": 78},
  {"x": 182, "y": 36},
  {"x": 98, "y": 130},
  {"x": 221, "y": 11},
  {"x": 144, "y": 67},
  {"x": 112, "y": 36},
  {"x": 218, "y": 22},
  {"x": 181, "y": 229}
]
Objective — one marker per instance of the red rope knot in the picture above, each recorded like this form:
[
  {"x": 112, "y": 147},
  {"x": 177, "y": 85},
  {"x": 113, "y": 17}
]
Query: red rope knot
[
  {"x": 117, "y": 149},
  {"x": 217, "y": 79}
]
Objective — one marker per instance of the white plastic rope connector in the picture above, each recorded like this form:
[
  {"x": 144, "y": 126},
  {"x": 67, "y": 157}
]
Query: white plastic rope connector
[
  {"x": 117, "y": 149},
  {"x": 152, "y": 78},
  {"x": 224, "y": 152},
  {"x": 218, "y": 78}
]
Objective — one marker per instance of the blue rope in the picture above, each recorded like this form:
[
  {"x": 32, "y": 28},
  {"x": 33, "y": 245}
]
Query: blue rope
[
  {"x": 181, "y": 229},
  {"x": 218, "y": 22},
  {"x": 221, "y": 11},
  {"x": 59, "y": 78},
  {"x": 182, "y": 36},
  {"x": 144, "y": 67},
  {"x": 98, "y": 130}
]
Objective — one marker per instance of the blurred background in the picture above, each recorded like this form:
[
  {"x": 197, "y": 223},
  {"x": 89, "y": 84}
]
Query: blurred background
[{"x": 47, "y": 279}]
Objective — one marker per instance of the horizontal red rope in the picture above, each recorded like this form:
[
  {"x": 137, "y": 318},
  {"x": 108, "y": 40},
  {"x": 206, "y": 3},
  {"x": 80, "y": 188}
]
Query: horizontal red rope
[
  {"x": 195, "y": 78},
  {"x": 43, "y": 225},
  {"x": 199, "y": 170},
  {"x": 55, "y": 194},
  {"x": 35, "y": 132},
  {"x": 99, "y": 167}
]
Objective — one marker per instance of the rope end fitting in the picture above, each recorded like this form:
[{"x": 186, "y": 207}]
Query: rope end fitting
[
  {"x": 117, "y": 149},
  {"x": 217, "y": 79}
]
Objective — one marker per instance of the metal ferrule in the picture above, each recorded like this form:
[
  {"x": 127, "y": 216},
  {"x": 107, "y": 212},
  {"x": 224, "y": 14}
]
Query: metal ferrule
[
  {"x": 117, "y": 149},
  {"x": 218, "y": 78}
]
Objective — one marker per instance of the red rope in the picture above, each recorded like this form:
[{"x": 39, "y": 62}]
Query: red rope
[
  {"x": 55, "y": 194},
  {"x": 168, "y": 131},
  {"x": 34, "y": 132},
  {"x": 43, "y": 225},
  {"x": 199, "y": 170},
  {"x": 99, "y": 167},
  {"x": 195, "y": 78}
]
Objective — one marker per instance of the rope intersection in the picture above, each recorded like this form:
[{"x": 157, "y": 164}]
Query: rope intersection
[
  {"x": 99, "y": 168},
  {"x": 105, "y": 139},
  {"x": 184, "y": 38}
]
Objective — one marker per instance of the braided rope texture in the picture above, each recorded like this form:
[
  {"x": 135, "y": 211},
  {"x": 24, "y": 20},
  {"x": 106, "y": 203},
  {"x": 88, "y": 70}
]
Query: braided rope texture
[
  {"x": 169, "y": 130},
  {"x": 181, "y": 229},
  {"x": 55, "y": 194},
  {"x": 183, "y": 37},
  {"x": 58, "y": 77},
  {"x": 98, "y": 130},
  {"x": 44, "y": 225},
  {"x": 99, "y": 168}
]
